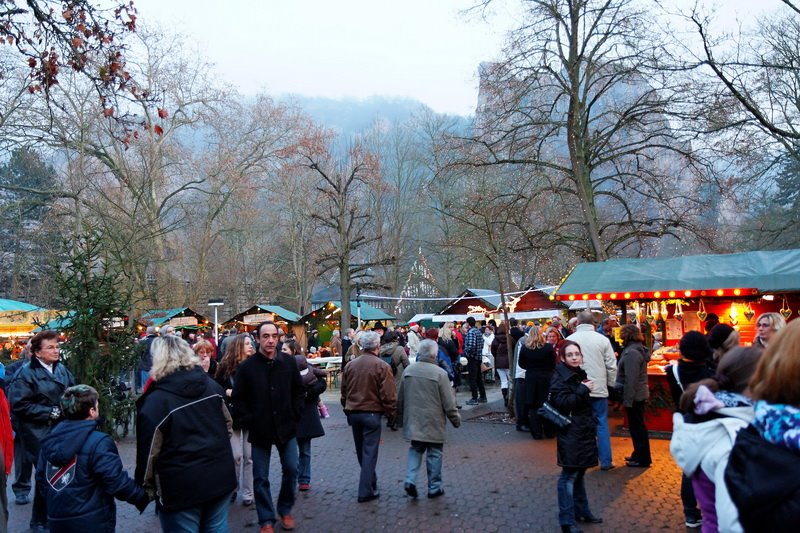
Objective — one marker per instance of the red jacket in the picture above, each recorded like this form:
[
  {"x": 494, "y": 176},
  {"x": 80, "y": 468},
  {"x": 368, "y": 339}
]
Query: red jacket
[{"x": 6, "y": 434}]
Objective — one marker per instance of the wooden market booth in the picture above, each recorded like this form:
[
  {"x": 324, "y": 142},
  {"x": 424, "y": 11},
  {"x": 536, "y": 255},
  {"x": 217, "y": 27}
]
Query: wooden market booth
[
  {"x": 485, "y": 304},
  {"x": 249, "y": 319},
  {"x": 325, "y": 317},
  {"x": 17, "y": 322},
  {"x": 182, "y": 318},
  {"x": 676, "y": 295}
]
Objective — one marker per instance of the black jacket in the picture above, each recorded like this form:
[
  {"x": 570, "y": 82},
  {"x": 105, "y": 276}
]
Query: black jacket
[
  {"x": 268, "y": 398},
  {"x": 183, "y": 449},
  {"x": 310, "y": 425},
  {"x": 689, "y": 372},
  {"x": 763, "y": 480},
  {"x": 145, "y": 360},
  {"x": 32, "y": 394},
  {"x": 226, "y": 384},
  {"x": 83, "y": 497},
  {"x": 577, "y": 443},
  {"x": 450, "y": 348}
]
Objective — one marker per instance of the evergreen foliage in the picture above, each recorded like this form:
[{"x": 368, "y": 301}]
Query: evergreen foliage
[{"x": 99, "y": 343}]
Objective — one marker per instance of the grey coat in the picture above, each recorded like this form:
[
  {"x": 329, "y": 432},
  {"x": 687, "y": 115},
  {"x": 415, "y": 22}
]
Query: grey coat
[
  {"x": 632, "y": 373},
  {"x": 425, "y": 401}
]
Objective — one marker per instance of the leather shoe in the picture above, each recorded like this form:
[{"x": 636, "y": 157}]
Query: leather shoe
[
  {"x": 436, "y": 494},
  {"x": 473, "y": 401},
  {"x": 637, "y": 464},
  {"x": 606, "y": 468},
  {"x": 266, "y": 528},
  {"x": 590, "y": 519},
  {"x": 411, "y": 489},
  {"x": 369, "y": 498},
  {"x": 287, "y": 522},
  {"x": 571, "y": 529}
]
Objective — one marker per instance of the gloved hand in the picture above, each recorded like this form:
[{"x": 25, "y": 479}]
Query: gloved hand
[{"x": 142, "y": 503}]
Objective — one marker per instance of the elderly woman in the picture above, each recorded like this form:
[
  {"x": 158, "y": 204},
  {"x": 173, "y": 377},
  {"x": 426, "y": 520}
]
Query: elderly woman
[
  {"x": 766, "y": 326},
  {"x": 239, "y": 349},
  {"x": 577, "y": 442},
  {"x": 632, "y": 381},
  {"x": 183, "y": 451},
  {"x": 763, "y": 472}
]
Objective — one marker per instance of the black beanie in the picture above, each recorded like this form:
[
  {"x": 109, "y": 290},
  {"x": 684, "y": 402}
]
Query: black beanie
[
  {"x": 718, "y": 335},
  {"x": 694, "y": 346}
]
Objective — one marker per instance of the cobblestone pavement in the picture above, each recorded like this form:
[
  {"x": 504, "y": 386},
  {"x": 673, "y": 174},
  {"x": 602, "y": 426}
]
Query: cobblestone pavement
[{"x": 495, "y": 478}]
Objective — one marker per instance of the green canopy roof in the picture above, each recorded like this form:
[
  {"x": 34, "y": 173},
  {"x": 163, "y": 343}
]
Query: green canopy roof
[
  {"x": 282, "y": 312},
  {"x": 367, "y": 311},
  {"x": 777, "y": 271}
]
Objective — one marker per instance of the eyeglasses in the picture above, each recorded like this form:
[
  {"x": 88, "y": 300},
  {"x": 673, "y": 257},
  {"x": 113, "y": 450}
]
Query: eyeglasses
[{"x": 763, "y": 325}]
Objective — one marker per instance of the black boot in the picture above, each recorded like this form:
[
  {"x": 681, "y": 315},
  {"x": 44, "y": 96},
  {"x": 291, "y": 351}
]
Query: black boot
[
  {"x": 571, "y": 529},
  {"x": 505, "y": 396}
]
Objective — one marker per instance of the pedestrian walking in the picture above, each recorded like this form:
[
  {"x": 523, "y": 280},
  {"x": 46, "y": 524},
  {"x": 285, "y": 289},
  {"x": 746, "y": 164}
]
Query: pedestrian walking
[
  {"x": 632, "y": 382},
  {"x": 81, "y": 471},
  {"x": 473, "y": 346},
  {"x": 240, "y": 348},
  {"x": 425, "y": 402},
  {"x": 183, "y": 451},
  {"x": 600, "y": 365},
  {"x": 538, "y": 359},
  {"x": 310, "y": 425},
  {"x": 35, "y": 398},
  {"x": 577, "y": 443},
  {"x": 368, "y": 393},
  {"x": 268, "y": 395}
]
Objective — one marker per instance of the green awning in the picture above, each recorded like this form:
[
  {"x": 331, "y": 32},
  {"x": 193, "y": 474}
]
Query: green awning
[
  {"x": 763, "y": 272},
  {"x": 284, "y": 313},
  {"x": 367, "y": 311}
]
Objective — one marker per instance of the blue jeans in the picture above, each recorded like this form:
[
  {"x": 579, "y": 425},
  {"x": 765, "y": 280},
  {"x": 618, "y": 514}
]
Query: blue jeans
[
  {"x": 600, "y": 410},
  {"x": 304, "y": 462},
  {"x": 572, "y": 500},
  {"x": 433, "y": 462},
  {"x": 367, "y": 437},
  {"x": 264, "y": 506},
  {"x": 211, "y": 517}
]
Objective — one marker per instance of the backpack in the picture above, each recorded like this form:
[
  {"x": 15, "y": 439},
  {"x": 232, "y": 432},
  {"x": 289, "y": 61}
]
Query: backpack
[{"x": 388, "y": 359}]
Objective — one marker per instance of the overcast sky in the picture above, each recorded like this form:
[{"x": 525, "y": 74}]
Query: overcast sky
[{"x": 422, "y": 49}]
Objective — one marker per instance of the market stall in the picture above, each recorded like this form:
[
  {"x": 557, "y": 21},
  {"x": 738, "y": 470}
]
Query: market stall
[
  {"x": 182, "y": 318},
  {"x": 325, "y": 317},
  {"x": 678, "y": 294},
  {"x": 483, "y": 304},
  {"x": 249, "y": 319}
]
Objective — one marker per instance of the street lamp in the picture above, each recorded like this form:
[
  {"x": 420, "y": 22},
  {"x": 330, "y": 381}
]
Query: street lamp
[{"x": 216, "y": 303}]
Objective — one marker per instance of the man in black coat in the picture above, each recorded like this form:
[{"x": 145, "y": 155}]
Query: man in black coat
[
  {"x": 268, "y": 399},
  {"x": 35, "y": 397}
]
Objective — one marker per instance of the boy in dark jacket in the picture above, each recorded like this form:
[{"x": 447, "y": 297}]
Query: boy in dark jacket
[{"x": 81, "y": 471}]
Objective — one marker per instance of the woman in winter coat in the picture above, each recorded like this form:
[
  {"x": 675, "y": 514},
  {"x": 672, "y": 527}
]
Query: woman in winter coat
[
  {"x": 183, "y": 449},
  {"x": 499, "y": 348},
  {"x": 81, "y": 472},
  {"x": 577, "y": 443},
  {"x": 240, "y": 348},
  {"x": 763, "y": 473},
  {"x": 395, "y": 355},
  {"x": 767, "y": 325},
  {"x": 310, "y": 426},
  {"x": 716, "y": 409},
  {"x": 632, "y": 384},
  {"x": 538, "y": 358}
]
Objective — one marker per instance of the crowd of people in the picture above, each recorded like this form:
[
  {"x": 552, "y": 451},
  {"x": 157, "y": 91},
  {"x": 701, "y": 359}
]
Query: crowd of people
[{"x": 215, "y": 414}]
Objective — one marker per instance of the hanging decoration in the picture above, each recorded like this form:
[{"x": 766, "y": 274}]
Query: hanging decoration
[
  {"x": 652, "y": 311},
  {"x": 748, "y": 312},
  {"x": 785, "y": 311},
  {"x": 664, "y": 312},
  {"x": 678, "y": 311},
  {"x": 733, "y": 314},
  {"x": 701, "y": 312},
  {"x": 638, "y": 310}
]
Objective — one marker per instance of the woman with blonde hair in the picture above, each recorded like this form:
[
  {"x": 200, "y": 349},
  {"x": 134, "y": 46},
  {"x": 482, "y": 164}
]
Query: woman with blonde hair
[
  {"x": 239, "y": 349},
  {"x": 538, "y": 358},
  {"x": 763, "y": 472},
  {"x": 766, "y": 326},
  {"x": 187, "y": 464}
]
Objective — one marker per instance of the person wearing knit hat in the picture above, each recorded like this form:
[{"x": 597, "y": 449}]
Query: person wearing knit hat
[
  {"x": 693, "y": 366},
  {"x": 722, "y": 338}
]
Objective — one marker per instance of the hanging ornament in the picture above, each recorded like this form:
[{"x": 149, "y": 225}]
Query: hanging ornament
[
  {"x": 701, "y": 312},
  {"x": 785, "y": 311},
  {"x": 664, "y": 312},
  {"x": 748, "y": 312},
  {"x": 678, "y": 311},
  {"x": 652, "y": 311}
]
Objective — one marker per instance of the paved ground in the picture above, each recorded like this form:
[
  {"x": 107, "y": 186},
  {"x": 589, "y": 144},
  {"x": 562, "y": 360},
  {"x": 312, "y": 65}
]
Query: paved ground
[{"x": 496, "y": 479}]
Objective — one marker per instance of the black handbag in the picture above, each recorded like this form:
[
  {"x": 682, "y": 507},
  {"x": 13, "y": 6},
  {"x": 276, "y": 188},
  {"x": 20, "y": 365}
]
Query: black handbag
[{"x": 552, "y": 415}]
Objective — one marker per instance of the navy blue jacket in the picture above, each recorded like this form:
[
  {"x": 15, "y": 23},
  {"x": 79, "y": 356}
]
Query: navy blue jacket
[{"x": 80, "y": 496}]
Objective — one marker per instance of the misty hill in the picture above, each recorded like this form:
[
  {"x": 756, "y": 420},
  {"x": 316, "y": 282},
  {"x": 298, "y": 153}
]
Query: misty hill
[{"x": 352, "y": 115}]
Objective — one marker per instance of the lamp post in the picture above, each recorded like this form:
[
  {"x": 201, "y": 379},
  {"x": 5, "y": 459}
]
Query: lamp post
[
  {"x": 358, "y": 306},
  {"x": 216, "y": 303}
]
